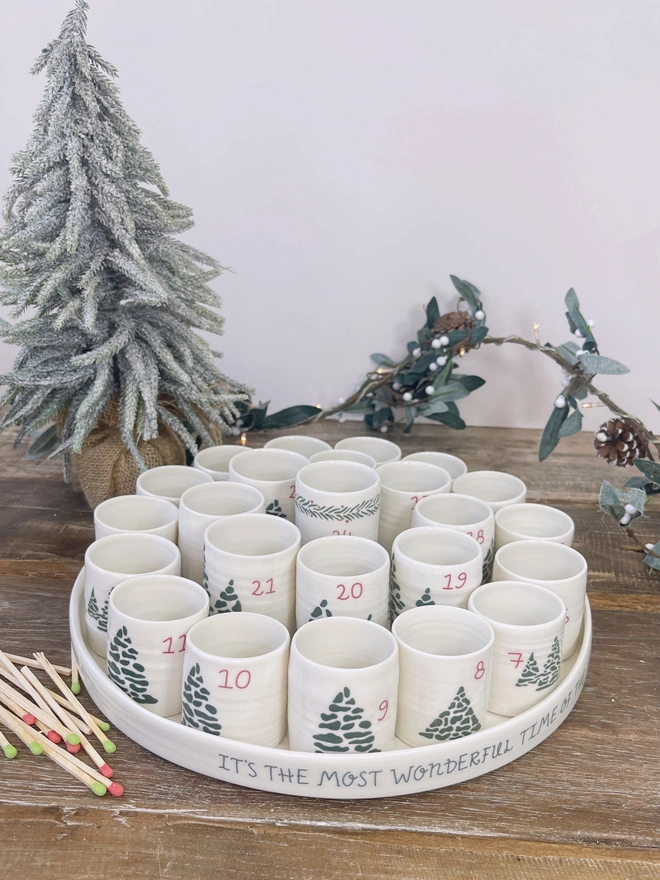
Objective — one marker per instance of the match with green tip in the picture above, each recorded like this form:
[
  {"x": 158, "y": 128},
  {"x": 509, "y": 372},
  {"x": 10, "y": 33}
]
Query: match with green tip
[
  {"x": 10, "y": 750},
  {"x": 109, "y": 746},
  {"x": 35, "y": 748},
  {"x": 98, "y": 788},
  {"x": 105, "y": 727},
  {"x": 75, "y": 687},
  {"x": 73, "y": 739}
]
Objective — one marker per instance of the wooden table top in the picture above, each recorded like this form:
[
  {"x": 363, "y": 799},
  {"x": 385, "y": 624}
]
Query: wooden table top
[{"x": 582, "y": 804}]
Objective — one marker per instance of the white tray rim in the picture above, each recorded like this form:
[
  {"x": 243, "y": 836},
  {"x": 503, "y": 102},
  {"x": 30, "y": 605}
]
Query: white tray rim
[{"x": 282, "y": 771}]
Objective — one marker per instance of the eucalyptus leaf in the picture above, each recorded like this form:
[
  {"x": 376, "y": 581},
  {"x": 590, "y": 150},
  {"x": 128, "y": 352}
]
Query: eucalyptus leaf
[
  {"x": 432, "y": 312},
  {"x": 470, "y": 383},
  {"x": 467, "y": 291},
  {"x": 381, "y": 417},
  {"x": 609, "y": 502},
  {"x": 550, "y": 436},
  {"x": 437, "y": 406},
  {"x": 44, "y": 443},
  {"x": 287, "y": 418},
  {"x": 478, "y": 335},
  {"x": 581, "y": 392},
  {"x": 648, "y": 486},
  {"x": 650, "y": 469},
  {"x": 567, "y": 352},
  {"x": 258, "y": 414},
  {"x": 653, "y": 561},
  {"x": 360, "y": 406},
  {"x": 575, "y": 315},
  {"x": 382, "y": 360},
  {"x": 655, "y": 404},
  {"x": 596, "y": 363},
  {"x": 572, "y": 425},
  {"x": 450, "y": 391},
  {"x": 410, "y": 414},
  {"x": 422, "y": 365},
  {"x": 450, "y": 419}
]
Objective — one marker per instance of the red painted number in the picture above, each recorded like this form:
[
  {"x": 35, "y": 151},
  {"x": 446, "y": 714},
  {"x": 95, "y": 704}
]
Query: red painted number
[
  {"x": 416, "y": 499},
  {"x": 480, "y": 536},
  {"x": 516, "y": 658},
  {"x": 241, "y": 680},
  {"x": 170, "y": 642},
  {"x": 345, "y": 532},
  {"x": 354, "y": 593},
  {"x": 259, "y": 591},
  {"x": 293, "y": 491},
  {"x": 452, "y": 585},
  {"x": 481, "y": 670},
  {"x": 384, "y": 706}
]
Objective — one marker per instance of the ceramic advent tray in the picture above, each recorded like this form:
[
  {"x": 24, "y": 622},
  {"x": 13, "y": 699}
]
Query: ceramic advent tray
[{"x": 384, "y": 774}]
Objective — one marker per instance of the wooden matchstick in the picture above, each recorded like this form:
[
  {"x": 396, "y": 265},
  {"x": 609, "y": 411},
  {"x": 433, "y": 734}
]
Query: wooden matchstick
[
  {"x": 26, "y": 661},
  {"x": 23, "y": 682},
  {"x": 72, "y": 736},
  {"x": 80, "y": 710},
  {"x": 51, "y": 723},
  {"x": 9, "y": 750},
  {"x": 75, "y": 684},
  {"x": 20, "y": 729}
]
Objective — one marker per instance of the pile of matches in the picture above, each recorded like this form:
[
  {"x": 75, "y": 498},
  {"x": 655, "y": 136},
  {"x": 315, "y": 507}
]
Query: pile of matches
[{"x": 53, "y": 723}]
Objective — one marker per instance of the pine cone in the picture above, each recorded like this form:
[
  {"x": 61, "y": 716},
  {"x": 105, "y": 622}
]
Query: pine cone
[
  {"x": 454, "y": 321},
  {"x": 620, "y": 442}
]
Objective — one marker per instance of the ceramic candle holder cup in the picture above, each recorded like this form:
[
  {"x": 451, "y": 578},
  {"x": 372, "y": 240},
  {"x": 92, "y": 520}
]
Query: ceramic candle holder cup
[
  {"x": 136, "y": 513},
  {"x": 169, "y": 481},
  {"x": 342, "y": 576},
  {"x": 464, "y": 514},
  {"x": 214, "y": 461},
  {"x": 202, "y": 505},
  {"x": 114, "y": 559},
  {"x": 561, "y": 569},
  {"x": 433, "y": 566},
  {"x": 343, "y": 684},
  {"x": 528, "y": 622},
  {"x": 250, "y": 565},
  {"x": 532, "y": 522},
  {"x": 337, "y": 498},
  {"x": 148, "y": 624},
  {"x": 445, "y": 660},
  {"x": 454, "y": 466},
  {"x": 402, "y": 485},
  {"x": 300, "y": 443},
  {"x": 381, "y": 450},
  {"x": 235, "y": 678},
  {"x": 344, "y": 455},
  {"x": 273, "y": 473},
  {"x": 494, "y": 487}
]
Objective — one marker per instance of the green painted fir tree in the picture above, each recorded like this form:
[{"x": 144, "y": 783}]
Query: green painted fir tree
[
  {"x": 197, "y": 711},
  {"x": 425, "y": 599},
  {"x": 457, "y": 720},
  {"x": 321, "y": 610},
  {"x": 228, "y": 600},
  {"x": 100, "y": 615},
  {"x": 125, "y": 670},
  {"x": 343, "y": 729},
  {"x": 205, "y": 577},
  {"x": 551, "y": 668},
  {"x": 489, "y": 558},
  {"x": 396, "y": 603},
  {"x": 89, "y": 250},
  {"x": 275, "y": 509},
  {"x": 530, "y": 673}
]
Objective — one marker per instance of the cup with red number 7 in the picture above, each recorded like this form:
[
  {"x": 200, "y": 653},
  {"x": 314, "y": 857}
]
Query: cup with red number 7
[
  {"x": 149, "y": 619},
  {"x": 235, "y": 678},
  {"x": 528, "y": 622},
  {"x": 445, "y": 660},
  {"x": 433, "y": 566}
]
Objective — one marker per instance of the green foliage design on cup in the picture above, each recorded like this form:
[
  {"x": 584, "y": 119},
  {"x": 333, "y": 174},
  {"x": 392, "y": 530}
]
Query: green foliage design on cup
[
  {"x": 99, "y": 615},
  {"x": 275, "y": 509},
  {"x": 347, "y": 730},
  {"x": 530, "y": 673},
  {"x": 425, "y": 599},
  {"x": 396, "y": 604},
  {"x": 124, "y": 669},
  {"x": 228, "y": 600},
  {"x": 458, "y": 720},
  {"x": 551, "y": 669},
  {"x": 321, "y": 610},
  {"x": 197, "y": 711}
]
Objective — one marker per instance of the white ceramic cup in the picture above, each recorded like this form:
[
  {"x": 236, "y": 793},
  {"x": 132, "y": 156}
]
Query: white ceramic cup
[
  {"x": 433, "y": 566},
  {"x": 273, "y": 473},
  {"x": 494, "y": 487},
  {"x": 378, "y": 448},
  {"x": 148, "y": 623},
  {"x": 136, "y": 513},
  {"x": 532, "y": 522},
  {"x": 402, "y": 485},
  {"x": 465, "y": 514},
  {"x": 454, "y": 465},
  {"x": 202, "y": 505},
  {"x": 235, "y": 678},
  {"x": 337, "y": 498},
  {"x": 528, "y": 622},
  {"x": 561, "y": 569},
  {"x": 343, "y": 683},
  {"x": 300, "y": 443},
  {"x": 214, "y": 460},
  {"x": 169, "y": 481},
  {"x": 250, "y": 565},
  {"x": 445, "y": 660},
  {"x": 344, "y": 455},
  {"x": 114, "y": 559},
  {"x": 343, "y": 576}
]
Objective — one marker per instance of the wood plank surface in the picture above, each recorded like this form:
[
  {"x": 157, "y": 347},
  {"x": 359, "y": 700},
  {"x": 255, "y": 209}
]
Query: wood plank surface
[{"x": 585, "y": 803}]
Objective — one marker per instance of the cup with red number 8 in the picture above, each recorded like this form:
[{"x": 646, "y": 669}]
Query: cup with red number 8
[
  {"x": 445, "y": 657},
  {"x": 235, "y": 678}
]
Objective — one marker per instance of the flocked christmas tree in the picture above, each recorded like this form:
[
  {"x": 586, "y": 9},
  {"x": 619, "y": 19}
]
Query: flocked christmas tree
[
  {"x": 197, "y": 711},
  {"x": 458, "y": 719},
  {"x": 89, "y": 249},
  {"x": 125, "y": 669},
  {"x": 343, "y": 728}
]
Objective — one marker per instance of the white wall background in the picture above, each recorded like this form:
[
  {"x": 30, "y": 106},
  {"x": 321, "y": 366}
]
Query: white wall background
[{"x": 344, "y": 157}]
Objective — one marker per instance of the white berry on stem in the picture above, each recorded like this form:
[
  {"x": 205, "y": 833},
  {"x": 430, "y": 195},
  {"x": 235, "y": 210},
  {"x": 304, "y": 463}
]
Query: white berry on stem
[
  {"x": 444, "y": 340},
  {"x": 436, "y": 344},
  {"x": 560, "y": 402},
  {"x": 429, "y": 389},
  {"x": 441, "y": 361},
  {"x": 629, "y": 508},
  {"x": 384, "y": 429},
  {"x": 407, "y": 396},
  {"x": 416, "y": 352},
  {"x": 479, "y": 315},
  {"x": 433, "y": 367},
  {"x": 591, "y": 323}
]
